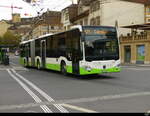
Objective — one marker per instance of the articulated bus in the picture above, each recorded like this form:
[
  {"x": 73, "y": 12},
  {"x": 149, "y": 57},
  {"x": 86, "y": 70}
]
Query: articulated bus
[{"x": 82, "y": 50}]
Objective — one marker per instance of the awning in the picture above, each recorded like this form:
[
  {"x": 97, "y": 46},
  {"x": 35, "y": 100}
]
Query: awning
[{"x": 145, "y": 26}]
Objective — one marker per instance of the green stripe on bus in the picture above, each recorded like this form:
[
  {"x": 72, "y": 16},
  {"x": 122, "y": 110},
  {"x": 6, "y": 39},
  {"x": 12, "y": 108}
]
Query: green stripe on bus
[
  {"x": 69, "y": 69},
  {"x": 57, "y": 67},
  {"x": 99, "y": 71},
  {"x": 83, "y": 71},
  {"x": 53, "y": 67},
  {"x": 21, "y": 61}
]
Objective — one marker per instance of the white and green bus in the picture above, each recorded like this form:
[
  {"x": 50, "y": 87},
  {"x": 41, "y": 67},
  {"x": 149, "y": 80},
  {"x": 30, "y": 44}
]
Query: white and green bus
[{"x": 82, "y": 50}]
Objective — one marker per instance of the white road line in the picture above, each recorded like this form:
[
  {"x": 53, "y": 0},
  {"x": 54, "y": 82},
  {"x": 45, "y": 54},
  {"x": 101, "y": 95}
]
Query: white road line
[
  {"x": 78, "y": 108},
  {"x": 139, "y": 69},
  {"x": 79, "y": 100},
  {"x": 2, "y": 69},
  {"x": 13, "y": 63},
  {"x": 35, "y": 97},
  {"x": 20, "y": 68},
  {"x": 46, "y": 96}
]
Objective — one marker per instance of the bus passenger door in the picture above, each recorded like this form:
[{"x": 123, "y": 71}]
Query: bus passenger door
[
  {"x": 43, "y": 53},
  {"x": 27, "y": 52},
  {"x": 75, "y": 62},
  {"x": 32, "y": 53}
]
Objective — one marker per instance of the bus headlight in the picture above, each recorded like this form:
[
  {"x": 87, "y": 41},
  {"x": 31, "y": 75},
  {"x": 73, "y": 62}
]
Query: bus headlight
[
  {"x": 118, "y": 65},
  {"x": 88, "y": 68}
]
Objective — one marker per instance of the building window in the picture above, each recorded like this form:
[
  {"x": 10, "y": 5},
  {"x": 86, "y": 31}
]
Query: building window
[
  {"x": 98, "y": 20},
  {"x": 148, "y": 20},
  {"x": 148, "y": 10},
  {"x": 44, "y": 27},
  {"x": 95, "y": 6},
  {"x": 65, "y": 28},
  {"x": 66, "y": 16},
  {"x": 80, "y": 9},
  {"x": 52, "y": 27},
  {"x": 127, "y": 54},
  {"x": 140, "y": 54},
  {"x": 81, "y": 22},
  {"x": 68, "y": 27},
  {"x": 92, "y": 21},
  {"x": 86, "y": 21}
]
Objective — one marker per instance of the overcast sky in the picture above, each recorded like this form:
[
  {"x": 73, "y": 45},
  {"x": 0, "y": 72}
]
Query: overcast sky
[{"x": 5, "y": 13}]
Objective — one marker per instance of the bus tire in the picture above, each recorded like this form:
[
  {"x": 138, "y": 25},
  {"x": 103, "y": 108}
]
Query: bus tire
[
  {"x": 38, "y": 65},
  {"x": 63, "y": 68}
]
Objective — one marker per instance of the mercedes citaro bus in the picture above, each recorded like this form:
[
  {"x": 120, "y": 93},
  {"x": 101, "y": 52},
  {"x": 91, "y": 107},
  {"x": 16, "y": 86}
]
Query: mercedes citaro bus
[{"x": 82, "y": 50}]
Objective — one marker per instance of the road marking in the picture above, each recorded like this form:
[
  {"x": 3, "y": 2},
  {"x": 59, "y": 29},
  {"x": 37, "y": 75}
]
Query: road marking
[
  {"x": 13, "y": 63},
  {"x": 46, "y": 96},
  {"x": 30, "y": 111},
  {"x": 15, "y": 68},
  {"x": 12, "y": 57},
  {"x": 35, "y": 97},
  {"x": 78, "y": 108},
  {"x": 141, "y": 69},
  {"x": 2, "y": 69},
  {"x": 79, "y": 100},
  {"x": 20, "y": 68}
]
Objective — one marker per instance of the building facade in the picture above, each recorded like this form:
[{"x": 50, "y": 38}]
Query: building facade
[
  {"x": 108, "y": 12},
  {"x": 147, "y": 13},
  {"x": 135, "y": 48},
  {"x": 83, "y": 13},
  {"x": 48, "y": 22},
  {"x": 67, "y": 14},
  {"x": 16, "y": 18},
  {"x": 20, "y": 26}
]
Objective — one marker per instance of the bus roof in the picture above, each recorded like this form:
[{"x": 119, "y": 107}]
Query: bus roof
[
  {"x": 46, "y": 35},
  {"x": 24, "y": 42},
  {"x": 101, "y": 26},
  {"x": 77, "y": 27},
  {"x": 80, "y": 27}
]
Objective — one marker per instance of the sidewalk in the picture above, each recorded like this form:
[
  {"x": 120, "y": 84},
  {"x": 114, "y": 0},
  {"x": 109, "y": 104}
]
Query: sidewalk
[{"x": 135, "y": 65}]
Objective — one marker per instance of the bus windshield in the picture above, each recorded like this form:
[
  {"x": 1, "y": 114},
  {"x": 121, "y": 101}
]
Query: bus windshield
[{"x": 101, "y": 44}]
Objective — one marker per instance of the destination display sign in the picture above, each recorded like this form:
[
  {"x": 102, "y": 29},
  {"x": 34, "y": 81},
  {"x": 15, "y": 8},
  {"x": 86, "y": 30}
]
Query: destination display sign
[
  {"x": 97, "y": 31},
  {"x": 92, "y": 31}
]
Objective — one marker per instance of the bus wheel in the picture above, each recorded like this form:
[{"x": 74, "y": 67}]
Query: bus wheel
[
  {"x": 38, "y": 65},
  {"x": 63, "y": 68}
]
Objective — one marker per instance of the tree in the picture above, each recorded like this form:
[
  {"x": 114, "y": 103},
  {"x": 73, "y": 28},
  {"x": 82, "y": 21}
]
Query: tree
[
  {"x": 1, "y": 41},
  {"x": 10, "y": 39}
]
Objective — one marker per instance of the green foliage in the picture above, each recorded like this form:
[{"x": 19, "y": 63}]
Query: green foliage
[
  {"x": 10, "y": 39},
  {"x": 1, "y": 40}
]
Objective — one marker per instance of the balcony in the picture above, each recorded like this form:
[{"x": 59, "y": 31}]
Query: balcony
[{"x": 143, "y": 36}]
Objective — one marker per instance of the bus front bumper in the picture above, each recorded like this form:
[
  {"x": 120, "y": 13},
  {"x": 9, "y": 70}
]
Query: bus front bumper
[{"x": 83, "y": 71}]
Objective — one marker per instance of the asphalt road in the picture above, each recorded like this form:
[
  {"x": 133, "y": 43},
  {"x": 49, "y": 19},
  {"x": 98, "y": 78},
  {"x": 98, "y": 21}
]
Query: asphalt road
[{"x": 29, "y": 90}]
